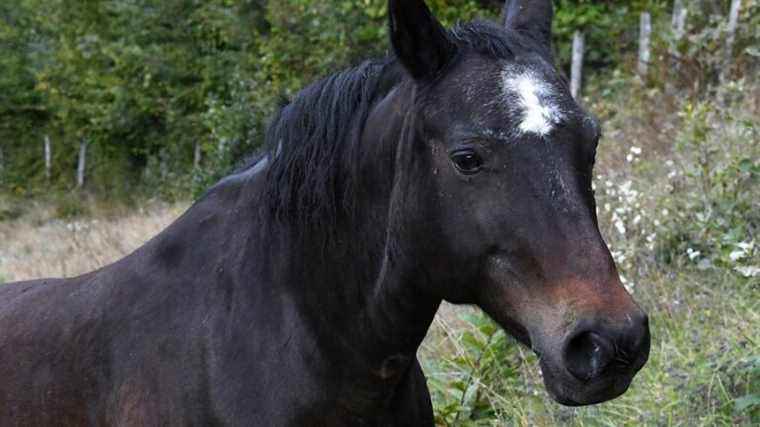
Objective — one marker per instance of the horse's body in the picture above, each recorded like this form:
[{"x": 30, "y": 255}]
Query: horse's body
[
  {"x": 297, "y": 291},
  {"x": 172, "y": 335},
  {"x": 203, "y": 324}
]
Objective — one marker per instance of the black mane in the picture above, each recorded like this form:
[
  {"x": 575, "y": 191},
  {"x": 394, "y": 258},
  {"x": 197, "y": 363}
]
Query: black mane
[{"x": 313, "y": 141}]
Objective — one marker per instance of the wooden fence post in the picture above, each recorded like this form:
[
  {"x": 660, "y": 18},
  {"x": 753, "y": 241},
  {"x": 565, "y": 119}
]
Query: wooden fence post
[
  {"x": 733, "y": 21},
  {"x": 576, "y": 72},
  {"x": 221, "y": 147},
  {"x": 678, "y": 28},
  {"x": 197, "y": 155},
  {"x": 48, "y": 157},
  {"x": 82, "y": 163},
  {"x": 645, "y": 37},
  {"x": 680, "y": 12}
]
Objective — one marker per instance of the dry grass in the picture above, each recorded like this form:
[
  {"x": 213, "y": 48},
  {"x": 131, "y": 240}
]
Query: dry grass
[{"x": 38, "y": 245}]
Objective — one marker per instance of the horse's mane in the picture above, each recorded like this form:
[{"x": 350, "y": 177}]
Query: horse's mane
[{"x": 313, "y": 141}]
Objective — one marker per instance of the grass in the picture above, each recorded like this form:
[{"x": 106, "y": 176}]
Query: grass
[{"x": 38, "y": 242}]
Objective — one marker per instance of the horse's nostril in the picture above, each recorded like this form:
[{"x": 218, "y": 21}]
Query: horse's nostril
[{"x": 587, "y": 354}]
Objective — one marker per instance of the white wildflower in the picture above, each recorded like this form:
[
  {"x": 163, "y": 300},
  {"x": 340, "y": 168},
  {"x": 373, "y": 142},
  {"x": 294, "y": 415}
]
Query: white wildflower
[
  {"x": 692, "y": 254},
  {"x": 651, "y": 240},
  {"x": 750, "y": 271},
  {"x": 636, "y": 150},
  {"x": 746, "y": 246},
  {"x": 629, "y": 286},
  {"x": 618, "y": 256},
  {"x": 737, "y": 255},
  {"x": 620, "y": 227},
  {"x": 618, "y": 223}
]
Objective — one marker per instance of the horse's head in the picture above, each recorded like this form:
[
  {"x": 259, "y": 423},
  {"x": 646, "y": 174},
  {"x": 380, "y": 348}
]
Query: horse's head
[{"x": 507, "y": 160}]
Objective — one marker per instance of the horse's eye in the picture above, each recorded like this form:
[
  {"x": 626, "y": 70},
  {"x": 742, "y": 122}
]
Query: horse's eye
[{"x": 467, "y": 161}]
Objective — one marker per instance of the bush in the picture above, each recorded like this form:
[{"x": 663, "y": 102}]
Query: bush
[{"x": 704, "y": 210}]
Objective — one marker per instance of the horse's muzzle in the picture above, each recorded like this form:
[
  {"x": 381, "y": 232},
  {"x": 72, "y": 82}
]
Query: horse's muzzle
[
  {"x": 598, "y": 360},
  {"x": 594, "y": 349}
]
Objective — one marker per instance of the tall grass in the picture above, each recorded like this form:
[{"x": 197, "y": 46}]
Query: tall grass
[{"x": 42, "y": 238}]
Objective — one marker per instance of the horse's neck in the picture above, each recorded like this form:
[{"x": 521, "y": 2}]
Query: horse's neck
[
  {"x": 206, "y": 246},
  {"x": 354, "y": 287},
  {"x": 350, "y": 285},
  {"x": 356, "y": 282}
]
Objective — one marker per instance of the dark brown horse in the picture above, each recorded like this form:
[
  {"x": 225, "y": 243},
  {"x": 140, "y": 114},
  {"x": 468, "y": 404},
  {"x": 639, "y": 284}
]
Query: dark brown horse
[{"x": 297, "y": 291}]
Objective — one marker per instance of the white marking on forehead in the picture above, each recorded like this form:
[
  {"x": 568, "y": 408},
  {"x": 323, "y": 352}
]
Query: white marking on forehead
[{"x": 536, "y": 102}]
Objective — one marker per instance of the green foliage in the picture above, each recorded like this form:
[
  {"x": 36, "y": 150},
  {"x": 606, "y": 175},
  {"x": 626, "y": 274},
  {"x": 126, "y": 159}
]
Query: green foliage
[
  {"x": 486, "y": 358},
  {"x": 136, "y": 80},
  {"x": 701, "y": 55},
  {"x": 705, "y": 211},
  {"x": 611, "y": 28},
  {"x": 720, "y": 156},
  {"x": 69, "y": 205},
  {"x": 144, "y": 81}
]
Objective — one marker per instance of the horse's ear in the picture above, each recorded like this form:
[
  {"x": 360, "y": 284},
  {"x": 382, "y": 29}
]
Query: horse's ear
[
  {"x": 419, "y": 40},
  {"x": 533, "y": 17}
]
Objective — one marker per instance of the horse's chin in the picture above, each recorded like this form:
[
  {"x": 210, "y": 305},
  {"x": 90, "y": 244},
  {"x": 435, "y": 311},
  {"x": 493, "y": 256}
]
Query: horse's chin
[{"x": 569, "y": 391}]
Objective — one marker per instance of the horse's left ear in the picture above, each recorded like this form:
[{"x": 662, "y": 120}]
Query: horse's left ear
[
  {"x": 533, "y": 17},
  {"x": 419, "y": 40}
]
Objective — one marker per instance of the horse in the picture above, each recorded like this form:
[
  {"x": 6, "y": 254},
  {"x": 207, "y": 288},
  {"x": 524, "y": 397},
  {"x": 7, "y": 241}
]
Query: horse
[{"x": 298, "y": 290}]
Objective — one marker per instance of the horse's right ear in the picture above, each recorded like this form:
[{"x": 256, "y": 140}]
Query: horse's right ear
[
  {"x": 533, "y": 17},
  {"x": 419, "y": 40}
]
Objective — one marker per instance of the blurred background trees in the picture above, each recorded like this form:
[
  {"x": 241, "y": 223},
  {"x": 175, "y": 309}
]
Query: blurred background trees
[{"x": 167, "y": 95}]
